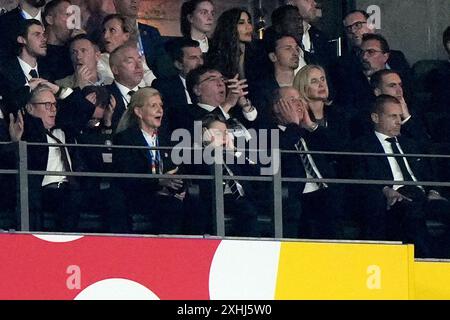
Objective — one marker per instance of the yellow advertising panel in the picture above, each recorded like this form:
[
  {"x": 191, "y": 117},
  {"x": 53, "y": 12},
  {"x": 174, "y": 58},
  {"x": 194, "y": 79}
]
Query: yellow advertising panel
[
  {"x": 432, "y": 280},
  {"x": 345, "y": 271}
]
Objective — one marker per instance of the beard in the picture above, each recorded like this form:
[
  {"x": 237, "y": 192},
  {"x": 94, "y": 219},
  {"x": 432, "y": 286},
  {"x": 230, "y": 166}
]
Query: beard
[{"x": 37, "y": 3}]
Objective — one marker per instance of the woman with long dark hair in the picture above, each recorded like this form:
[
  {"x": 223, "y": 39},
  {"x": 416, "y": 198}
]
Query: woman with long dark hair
[
  {"x": 233, "y": 50},
  {"x": 197, "y": 21}
]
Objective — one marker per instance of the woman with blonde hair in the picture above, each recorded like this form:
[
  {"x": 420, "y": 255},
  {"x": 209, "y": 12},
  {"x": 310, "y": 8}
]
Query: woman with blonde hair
[
  {"x": 117, "y": 31},
  {"x": 311, "y": 82},
  {"x": 159, "y": 199}
]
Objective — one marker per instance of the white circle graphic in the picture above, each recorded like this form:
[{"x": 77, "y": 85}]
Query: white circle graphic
[
  {"x": 244, "y": 270},
  {"x": 57, "y": 238},
  {"x": 116, "y": 289}
]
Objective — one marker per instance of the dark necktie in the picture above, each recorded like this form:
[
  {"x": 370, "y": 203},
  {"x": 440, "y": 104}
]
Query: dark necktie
[
  {"x": 236, "y": 188},
  {"x": 63, "y": 152},
  {"x": 131, "y": 92},
  {"x": 400, "y": 160},
  {"x": 33, "y": 74},
  {"x": 307, "y": 163}
]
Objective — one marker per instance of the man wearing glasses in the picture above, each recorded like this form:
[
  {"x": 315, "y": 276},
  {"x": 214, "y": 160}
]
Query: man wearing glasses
[{"x": 58, "y": 195}]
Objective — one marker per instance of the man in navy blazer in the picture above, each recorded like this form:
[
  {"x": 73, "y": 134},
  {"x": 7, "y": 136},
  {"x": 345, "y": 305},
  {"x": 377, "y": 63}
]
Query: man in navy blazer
[
  {"x": 150, "y": 41},
  {"x": 393, "y": 211},
  {"x": 10, "y": 24},
  {"x": 186, "y": 55}
]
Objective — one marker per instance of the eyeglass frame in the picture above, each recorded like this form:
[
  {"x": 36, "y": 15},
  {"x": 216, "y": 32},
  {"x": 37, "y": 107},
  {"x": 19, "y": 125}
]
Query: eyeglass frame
[
  {"x": 212, "y": 78},
  {"x": 47, "y": 104},
  {"x": 371, "y": 52},
  {"x": 358, "y": 25}
]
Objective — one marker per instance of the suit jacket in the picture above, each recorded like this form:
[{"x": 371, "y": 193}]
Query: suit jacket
[
  {"x": 377, "y": 168},
  {"x": 120, "y": 105},
  {"x": 137, "y": 191},
  {"x": 155, "y": 54},
  {"x": 352, "y": 86},
  {"x": 321, "y": 48},
  {"x": 172, "y": 91},
  {"x": 9, "y": 28},
  {"x": 13, "y": 81}
]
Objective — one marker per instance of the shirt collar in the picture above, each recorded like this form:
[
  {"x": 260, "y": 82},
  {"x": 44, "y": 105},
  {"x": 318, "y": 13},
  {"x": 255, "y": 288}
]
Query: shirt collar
[
  {"x": 382, "y": 137},
  {"x": 27, "y": 16},
  {"x": 124, "y": 90},
  {"x": 26, "y": 68},
  {"x": 306, "y": 26},
  {"x": 207, "y": 107}
]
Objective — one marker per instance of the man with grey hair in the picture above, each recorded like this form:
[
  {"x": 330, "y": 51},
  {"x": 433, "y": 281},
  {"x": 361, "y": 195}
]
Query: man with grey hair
[
  {"x": 126, "y": 66},
  {"x": 150, "y": 42},
  {"x": 58, "y": 195}
]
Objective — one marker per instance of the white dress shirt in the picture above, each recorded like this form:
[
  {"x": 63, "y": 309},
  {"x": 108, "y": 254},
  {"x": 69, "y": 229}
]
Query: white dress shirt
[
  {"x": 26, "y": 68},
  {"x": 124, "y": 92},
  {"x": 250, "y": 116},
  {"x": 54, "y": 162},
  {"x": 395, "y": 168},
  {"x": 104, "y": 70},
  {"x": 27, "y": 16},
  {"x": 306, "y": 40},
  {"x": 188, "y": 97},
  {"x": 204, "y": 45}
]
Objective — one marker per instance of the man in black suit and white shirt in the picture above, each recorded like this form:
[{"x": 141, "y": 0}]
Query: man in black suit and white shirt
[
  {"x": 10, "y": 22},
  {"x": 126, "y": 66},
  {"x": 393, "y": 211},
  {"x": 186, "y": 56}
]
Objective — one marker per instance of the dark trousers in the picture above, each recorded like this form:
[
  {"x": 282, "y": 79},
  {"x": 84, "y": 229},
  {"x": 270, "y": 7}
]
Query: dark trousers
[
  {"x": 405, "y": 221},
  {"x": 321, "y": 211},
  {"x": 244, "y": 216},
  {"x": 64, "y": 204}
]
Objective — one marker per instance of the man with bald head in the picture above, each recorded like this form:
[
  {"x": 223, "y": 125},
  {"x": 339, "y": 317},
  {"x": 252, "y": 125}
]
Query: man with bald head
[
  {"x": 150, "y": 42},
  {"x": 126, "y": 66},
  {"x": 320, "y": 203}
]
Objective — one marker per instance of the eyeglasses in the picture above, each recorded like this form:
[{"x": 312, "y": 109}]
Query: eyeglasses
[
  {"x": 357, "y": 26},
  {"x": 370, "y": 52},
  {"x": 48, "y": 105},
  {"x": 213, "y": 78}
]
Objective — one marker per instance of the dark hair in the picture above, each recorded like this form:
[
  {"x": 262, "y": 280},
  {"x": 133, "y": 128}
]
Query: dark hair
[
  {"x": 175, "y": 47},
  {"x": 378, "y": 37},
  {"x": 212, "y": 117},
  {"x": 271, "y": 38},
  {"x": 188, "y": 8},
  {"x": 50, "y": 8},
  {"x": 193, "y": 78},
  {"x": 446, "y": 38},
  {"x": 83, "y": 36},
  {"x": 102, "y": 95},
  {"x": 377, "y": 77},
  {"x": 280, "y": 13},
  {"x": 364, "y": 13},
  {"x": 225, "y": 51},
  {"x": 24, "y": 27},
  {"x": 381, "y": 101}
]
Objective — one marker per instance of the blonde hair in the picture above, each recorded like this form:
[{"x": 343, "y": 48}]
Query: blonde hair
[
  {"x": 301, "y": 80},
  {"x": 129, "y": 118}
]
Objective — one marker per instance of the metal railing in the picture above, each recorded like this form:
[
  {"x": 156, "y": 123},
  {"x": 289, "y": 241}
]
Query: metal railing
[{"x": 218, "y": 178}]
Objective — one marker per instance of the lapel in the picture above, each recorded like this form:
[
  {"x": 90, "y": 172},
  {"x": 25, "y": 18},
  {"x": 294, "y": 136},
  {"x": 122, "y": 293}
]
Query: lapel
[
  {"x": 14, "y": 74},
  {"x": 138, "y": 137},
  {"x": 383, "y": 161},
  {"x": 120, "y": 107}
]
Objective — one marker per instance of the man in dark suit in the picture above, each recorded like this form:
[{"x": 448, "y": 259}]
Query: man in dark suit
[
  {"x": 389, "y": 82},
  {"x": 10, "y": 23},
  {"x": 314, "y": 40},
  {"x": 59, "y": 195},
  {"x": 393, "y": 211},
  {"x": 20, "y": 73},
  {"x": 211, "y": 92},
  {"x": 126, "y": 66},
  {"x": 349, "y": 65},
  {"x": 283, "y": 51},
  {"x": 57, "y": 60},
  {"x": 320, "y": 202},
  {"x": 150, "y": 42},
  {"x": 186, "y": 56},
  {"x": 239, "y": 196}
]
